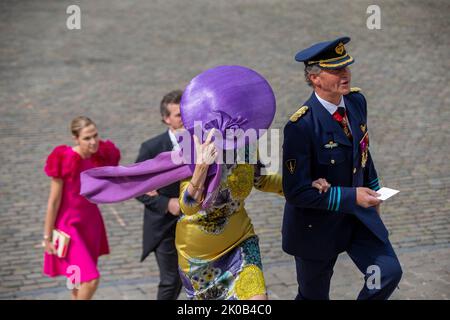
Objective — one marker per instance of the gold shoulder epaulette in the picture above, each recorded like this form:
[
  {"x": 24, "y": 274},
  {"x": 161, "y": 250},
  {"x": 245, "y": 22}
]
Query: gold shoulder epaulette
[
  {"x": 355, "y": 89},
  {"x": 298, "y": 114}
]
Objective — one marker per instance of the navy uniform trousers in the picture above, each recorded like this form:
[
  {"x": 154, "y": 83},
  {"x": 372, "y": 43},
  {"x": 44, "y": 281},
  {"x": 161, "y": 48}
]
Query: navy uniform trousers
[
  {"x": 313, "y": 276},
  {"x": 317, "y": 227}
]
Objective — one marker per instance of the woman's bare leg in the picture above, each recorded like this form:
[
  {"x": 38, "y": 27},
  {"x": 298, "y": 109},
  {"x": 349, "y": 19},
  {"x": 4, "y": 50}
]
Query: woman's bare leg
[
  {"x": 74, "y": 294},
  {"x": 88, "y": 289}
]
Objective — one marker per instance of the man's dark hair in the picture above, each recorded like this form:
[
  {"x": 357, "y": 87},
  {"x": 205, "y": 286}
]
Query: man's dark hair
[{"x": 171, "y": 97}]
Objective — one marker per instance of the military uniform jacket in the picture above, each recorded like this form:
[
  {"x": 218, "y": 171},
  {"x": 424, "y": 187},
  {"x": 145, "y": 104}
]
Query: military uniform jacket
[{"x": 315, "y": 225}]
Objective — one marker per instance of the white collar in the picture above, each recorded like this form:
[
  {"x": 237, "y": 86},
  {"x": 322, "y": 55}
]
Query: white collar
[
  {"x": 331, "y": 107},
  {"x": 173, "y": 138}
]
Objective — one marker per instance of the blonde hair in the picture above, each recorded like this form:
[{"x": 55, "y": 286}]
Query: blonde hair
[{"x": 79, "y": 123}]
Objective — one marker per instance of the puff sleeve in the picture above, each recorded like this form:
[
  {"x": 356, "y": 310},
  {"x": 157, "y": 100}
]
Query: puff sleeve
[
  {"x": 108, "y": 154},
  {"x": 54, "y": 164}
]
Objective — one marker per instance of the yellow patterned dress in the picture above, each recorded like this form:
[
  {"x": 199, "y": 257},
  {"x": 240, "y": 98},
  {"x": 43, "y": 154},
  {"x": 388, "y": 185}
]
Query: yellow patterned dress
[{"x": 218, "y": 251}]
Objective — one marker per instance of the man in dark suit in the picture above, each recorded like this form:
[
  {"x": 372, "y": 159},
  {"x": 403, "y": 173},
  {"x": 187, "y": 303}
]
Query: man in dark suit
[
  {"x": 328, "y": 138},
  {"x": 161, "y": 206}
]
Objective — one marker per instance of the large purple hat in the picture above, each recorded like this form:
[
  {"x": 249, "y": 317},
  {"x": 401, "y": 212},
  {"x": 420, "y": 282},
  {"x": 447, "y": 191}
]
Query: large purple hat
[{"x": 229, "y": 97}]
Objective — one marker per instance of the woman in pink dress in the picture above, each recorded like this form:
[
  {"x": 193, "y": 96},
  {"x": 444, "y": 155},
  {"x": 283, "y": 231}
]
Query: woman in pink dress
[{"x": 71, "y": 213}]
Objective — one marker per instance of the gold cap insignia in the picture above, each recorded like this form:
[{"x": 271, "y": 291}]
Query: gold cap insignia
[
  {"x": 298, "y": 114},
  {"x": 290, "y": 164},
  {"x": 340, "y": 48}
]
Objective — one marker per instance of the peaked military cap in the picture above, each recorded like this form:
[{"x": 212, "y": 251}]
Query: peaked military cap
[{"x": 327, "y": 55}]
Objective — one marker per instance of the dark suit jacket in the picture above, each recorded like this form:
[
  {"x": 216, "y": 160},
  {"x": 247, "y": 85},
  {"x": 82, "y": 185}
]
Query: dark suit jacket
[
  {"x": 320, "y": 225},
  {"x": 158, "y": 223}
]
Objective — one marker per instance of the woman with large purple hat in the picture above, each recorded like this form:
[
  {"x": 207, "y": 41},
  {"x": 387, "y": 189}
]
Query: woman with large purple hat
[{"x": 218, "y": 252}]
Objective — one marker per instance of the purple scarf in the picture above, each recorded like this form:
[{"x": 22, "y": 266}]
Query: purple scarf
[{"x": 114, "y": 184}]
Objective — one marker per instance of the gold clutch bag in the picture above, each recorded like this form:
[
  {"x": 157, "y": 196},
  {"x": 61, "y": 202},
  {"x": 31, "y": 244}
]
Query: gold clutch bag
[{"x": 61, "y": 242}]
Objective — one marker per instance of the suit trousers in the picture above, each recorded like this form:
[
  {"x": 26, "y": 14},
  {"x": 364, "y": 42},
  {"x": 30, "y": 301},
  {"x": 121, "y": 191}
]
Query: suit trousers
[
  {"x": 375, "y": 259},
  {"x": 170, "y": 282}
]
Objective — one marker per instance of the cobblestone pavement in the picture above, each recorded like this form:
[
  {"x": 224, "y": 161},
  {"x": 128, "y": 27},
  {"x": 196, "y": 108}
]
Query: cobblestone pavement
[{"x": 129, "y": 53}]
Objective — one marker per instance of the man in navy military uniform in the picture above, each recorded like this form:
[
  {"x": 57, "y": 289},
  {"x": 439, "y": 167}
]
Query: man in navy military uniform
[{"x": 328, "y": 138}]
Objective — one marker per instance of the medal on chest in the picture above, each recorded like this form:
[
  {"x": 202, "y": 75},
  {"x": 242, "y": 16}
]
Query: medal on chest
[{"x": 364, "y": 146}]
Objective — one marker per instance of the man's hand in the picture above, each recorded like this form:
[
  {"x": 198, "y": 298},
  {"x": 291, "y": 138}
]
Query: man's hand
[
  {"x": 174, "y": 207},
  {"x": 152, "y": 193},
  {"x": 321, "y": 184},
  {"x": 366, "y": 197}
]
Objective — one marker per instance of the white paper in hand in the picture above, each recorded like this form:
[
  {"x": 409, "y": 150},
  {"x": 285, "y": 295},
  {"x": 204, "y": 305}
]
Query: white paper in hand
[{"x": 386, "y": 193}]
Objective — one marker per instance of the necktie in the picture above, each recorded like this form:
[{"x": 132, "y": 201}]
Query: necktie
[{"x": 341, "y": 117}]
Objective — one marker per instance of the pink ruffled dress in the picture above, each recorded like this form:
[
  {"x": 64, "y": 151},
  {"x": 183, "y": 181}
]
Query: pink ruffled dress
[{"x": 78, "y": 217}]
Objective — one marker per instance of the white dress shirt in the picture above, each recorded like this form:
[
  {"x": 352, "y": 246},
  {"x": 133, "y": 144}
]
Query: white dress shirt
[
  {"x": 331, "y": 107},
  {"x": 173, "y": 138}
]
